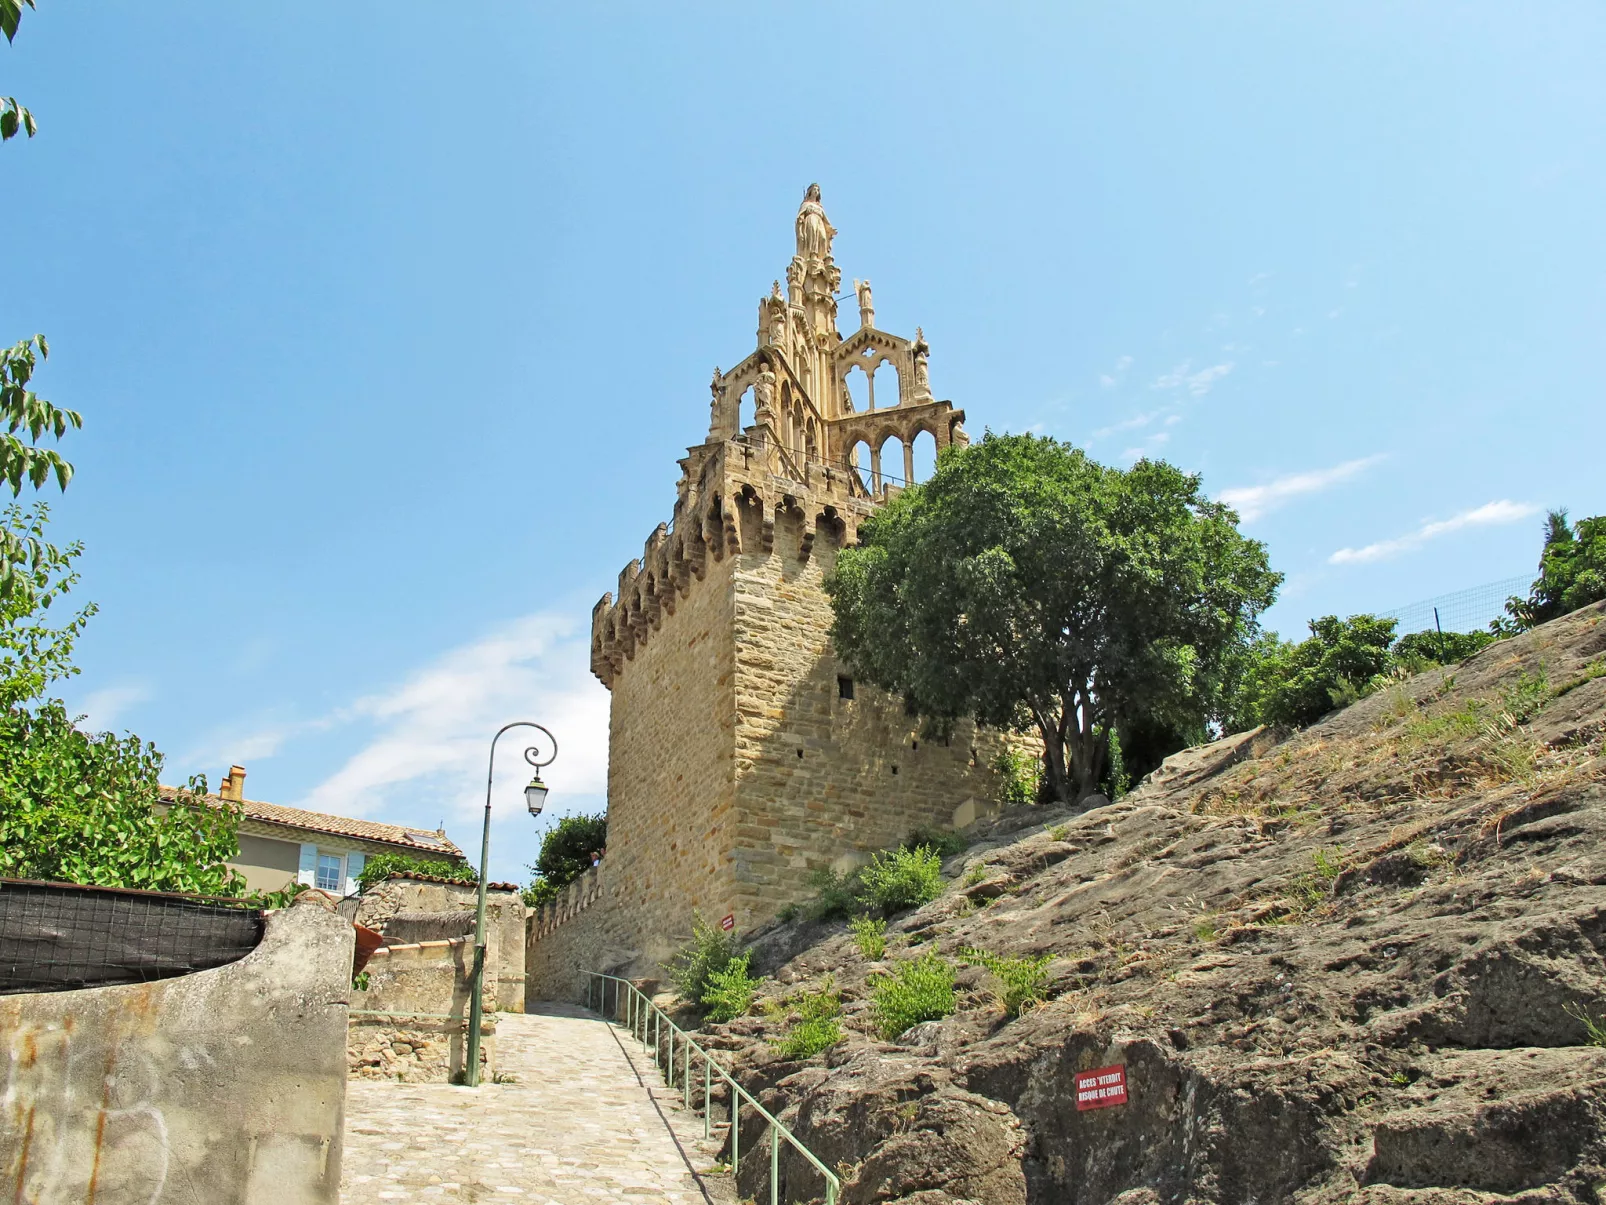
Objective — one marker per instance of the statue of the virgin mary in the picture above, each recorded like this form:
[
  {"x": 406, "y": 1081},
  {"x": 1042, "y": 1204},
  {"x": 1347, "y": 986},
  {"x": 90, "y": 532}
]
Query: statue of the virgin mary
[{"x": 813, "y": 230}]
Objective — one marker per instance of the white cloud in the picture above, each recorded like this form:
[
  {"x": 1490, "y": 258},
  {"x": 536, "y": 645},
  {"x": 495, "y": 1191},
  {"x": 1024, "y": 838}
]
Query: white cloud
[
  {"x": 1109, "y": 380},
  {"x": 1196, "y": 383},
  {"x": 1503, "y": 511},
  {"x": 1253, "y": 501},
  {"x": 1129, "y": 424},
  {"x": 430, "y": 734},
  {"x": 104, "y": 707}
]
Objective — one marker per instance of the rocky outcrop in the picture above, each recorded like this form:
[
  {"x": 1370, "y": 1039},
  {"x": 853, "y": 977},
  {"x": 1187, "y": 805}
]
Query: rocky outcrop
[{"x": 1361, "y": 962}]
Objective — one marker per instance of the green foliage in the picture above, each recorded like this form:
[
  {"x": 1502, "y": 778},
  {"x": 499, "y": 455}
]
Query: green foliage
[
  {"x": 710, "y": 950},
  {"x": 1572, "y": 573},
  {"x": 1418, "y": 651},
  {"x": 565, "y": 855},
  {"x": 903, "y": 878},
  {"x": 381, "y": 867},
  {"x": 817, "y": 1027},
  {"x": 1595, "y": 1029},
  {"x": 1023, "y": 982},
  {"x": 728, "y": 990},
  {"x": 921, "y": 989},
  {"x": 77, "y": 807},
  {"x": 13, "y": 117},
  {"x": 1115, "y": 782},
  {"x": 870, "y": 935},
  {"x": 1019, "y": 776},
  {"x": 28, "y": 419},
  {"x": 945, "y": 842},
  {"x": 835, "y": 895},
  {"x": 1034, "y": 589},
  {"x": 1297, "y": 684}
]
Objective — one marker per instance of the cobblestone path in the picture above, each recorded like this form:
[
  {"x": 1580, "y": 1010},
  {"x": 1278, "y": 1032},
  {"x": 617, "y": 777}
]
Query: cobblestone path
[{"x": 585, "y": 1121}]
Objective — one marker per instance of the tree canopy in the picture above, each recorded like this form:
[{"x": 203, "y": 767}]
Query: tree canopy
[
  {"x": 1032, "y": 588},
  {"x": 1572, "y": 572},
  {"x": 565, "y": 855}
]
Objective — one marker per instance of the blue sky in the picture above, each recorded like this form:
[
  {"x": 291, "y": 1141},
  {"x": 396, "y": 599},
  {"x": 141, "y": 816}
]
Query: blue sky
[{"x": 388, "y": 323}]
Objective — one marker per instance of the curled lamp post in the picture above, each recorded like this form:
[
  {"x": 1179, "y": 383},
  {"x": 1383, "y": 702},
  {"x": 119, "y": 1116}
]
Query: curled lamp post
[{"x": 535, "y": 799}]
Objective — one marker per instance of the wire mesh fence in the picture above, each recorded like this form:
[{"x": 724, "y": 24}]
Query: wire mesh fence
[
  {"x": 1461, "y": 611},
  {"x": 57, "y": 937}
]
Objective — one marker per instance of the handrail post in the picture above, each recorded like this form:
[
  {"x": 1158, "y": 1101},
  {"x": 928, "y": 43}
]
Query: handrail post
[
  {"x": 735, "y": 1123},
  {"x": 708, "y": 1096},
  {"x": 685, "y": 1073},
  {"x": 775, "y": 1164}
]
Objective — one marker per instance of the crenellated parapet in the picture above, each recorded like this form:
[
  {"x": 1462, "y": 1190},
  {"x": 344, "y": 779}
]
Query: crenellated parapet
[{"x": 731, "y": 498}]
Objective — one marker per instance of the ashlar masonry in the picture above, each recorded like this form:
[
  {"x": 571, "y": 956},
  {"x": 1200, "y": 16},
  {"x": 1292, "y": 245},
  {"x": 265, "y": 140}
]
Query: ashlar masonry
[{"x": 741, "y": 754}]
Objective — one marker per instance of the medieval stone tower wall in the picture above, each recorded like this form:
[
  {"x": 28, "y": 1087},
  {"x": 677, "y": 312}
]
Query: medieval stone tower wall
[{"x": 737, "y": 762}]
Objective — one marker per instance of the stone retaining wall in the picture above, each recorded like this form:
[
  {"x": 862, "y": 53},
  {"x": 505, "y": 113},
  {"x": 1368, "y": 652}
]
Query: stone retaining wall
[{"x": 415, "y": 1050}]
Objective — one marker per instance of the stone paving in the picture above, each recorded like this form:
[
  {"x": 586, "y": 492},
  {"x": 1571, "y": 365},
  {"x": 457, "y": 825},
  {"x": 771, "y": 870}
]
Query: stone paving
[{"x": 584, "y": 1121}]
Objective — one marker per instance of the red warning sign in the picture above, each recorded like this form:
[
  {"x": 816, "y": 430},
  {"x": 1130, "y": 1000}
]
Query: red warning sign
[
  {"x": 728, "y": 921},
  {"x": 1101, "y": 1088}
]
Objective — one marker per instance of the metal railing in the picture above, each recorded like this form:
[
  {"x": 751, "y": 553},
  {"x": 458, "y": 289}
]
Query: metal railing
[{"x": 643, "y": 1018}]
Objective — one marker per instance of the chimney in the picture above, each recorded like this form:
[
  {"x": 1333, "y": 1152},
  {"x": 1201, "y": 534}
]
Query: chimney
[{"x": 233, "y": 785}]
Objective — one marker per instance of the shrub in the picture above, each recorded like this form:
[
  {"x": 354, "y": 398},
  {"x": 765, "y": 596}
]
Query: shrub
[
  {"x": 1418, "y": 651},
  {"x": 1019, "y": 776},
  {"x": 818, "y": 1026},
  {"x": 916, "y": 991},
  {"x": 1297, "y": 684},
  {"x": 904, "y": 878},
  {"x": 1024, "y": 981},
  {"x": 834, "y": 894},
  {"x": 945, "y": 842},
  {"x": 377, "y": 870},
  {"x": 728, "y": 992},
  {"x": 711, "y": 949},
  {"x": 870, "y": 935}
]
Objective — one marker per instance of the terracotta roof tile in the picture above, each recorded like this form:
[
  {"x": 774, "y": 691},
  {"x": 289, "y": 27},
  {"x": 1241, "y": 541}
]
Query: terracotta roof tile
[{"x": 420, "y": 840}]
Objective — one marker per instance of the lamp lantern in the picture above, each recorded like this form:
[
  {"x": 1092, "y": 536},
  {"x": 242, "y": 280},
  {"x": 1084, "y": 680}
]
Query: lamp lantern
[{"x": 535, "y": 795}]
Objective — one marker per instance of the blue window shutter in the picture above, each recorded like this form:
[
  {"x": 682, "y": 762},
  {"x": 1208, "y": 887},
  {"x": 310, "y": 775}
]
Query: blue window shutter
[{"x": 308, "y": 872}]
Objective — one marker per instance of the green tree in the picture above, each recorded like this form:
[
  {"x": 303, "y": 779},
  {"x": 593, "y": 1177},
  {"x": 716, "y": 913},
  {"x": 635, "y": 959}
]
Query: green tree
[
  {"x": 565, "y": 855},
  {"x": 1420, "y": 650},
  {"x": 1032, "y": 588},
  {"x": 1280, "y": 682},
  {"x": 83, "y": 807},
  {"x": 1572, "y": 573}
]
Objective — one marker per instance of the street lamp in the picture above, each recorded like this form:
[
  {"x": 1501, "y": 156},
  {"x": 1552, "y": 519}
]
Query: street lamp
[{"x": 535, "y": 800}]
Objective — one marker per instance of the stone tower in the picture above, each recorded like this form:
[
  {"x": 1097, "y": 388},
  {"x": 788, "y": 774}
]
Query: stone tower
[{"x": 741, "y": 754}]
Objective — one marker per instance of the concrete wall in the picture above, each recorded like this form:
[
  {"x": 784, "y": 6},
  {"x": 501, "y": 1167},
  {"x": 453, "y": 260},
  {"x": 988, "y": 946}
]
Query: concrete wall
[
  {"x": 225, "y": 1087},
  {"x": 419, "y": 977}
]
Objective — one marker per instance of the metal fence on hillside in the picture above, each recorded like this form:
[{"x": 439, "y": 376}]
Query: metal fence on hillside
[{"x": 1462, "y": 611}]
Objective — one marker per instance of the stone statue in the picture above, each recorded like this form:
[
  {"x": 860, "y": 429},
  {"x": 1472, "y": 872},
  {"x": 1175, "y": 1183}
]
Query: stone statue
[
  {"x": 777, "y": 321},
  {"x": 764, "y": 396},
  {"x": 922, "y": 372},
  {"x": 813, "y": 230},
  {"x": 866, "y": 303},
  {"x": 716, "y": 388}
]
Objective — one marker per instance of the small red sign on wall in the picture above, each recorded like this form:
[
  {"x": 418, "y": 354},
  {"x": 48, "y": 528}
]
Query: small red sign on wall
[
  {"x": 728, "y": 921},
  {"x": 1101, "y": 1088}
]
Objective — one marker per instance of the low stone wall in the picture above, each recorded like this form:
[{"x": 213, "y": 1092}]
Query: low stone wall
[
  {"x": 225, "y": 1086},
  {"x": 582, "y": 930},
  {"x": 403, "y": 902},
  {"x": 415, "y": 1050},
  {"x": 430, "y": 977}
]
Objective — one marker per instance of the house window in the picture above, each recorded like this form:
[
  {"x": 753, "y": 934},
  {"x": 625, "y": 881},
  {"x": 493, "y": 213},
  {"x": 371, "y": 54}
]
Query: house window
[
  {"x": 330, "y": 867},
  {"x": 844, "y": 688}
]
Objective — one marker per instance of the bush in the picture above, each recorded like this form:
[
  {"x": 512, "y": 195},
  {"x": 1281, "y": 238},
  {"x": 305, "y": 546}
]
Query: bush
[
  {"x": 711, "y": 950},
  {"x": 728, "y": 992},
  {"x": 1019, "y": 776},
  {"x": 1297, "y": 684},
  {"x": 944, "y": 841},
  {"x": 916, "y": 991},
  {"x": 834, "y": 894},
  {"x": 1024, "y": 981},
  {"x": 1423, "y": 650},
  {"x": 818, "y": 1026},
  {"x": 904, "y": 878},
  {"x": 870, "y": 935},
  {"x": 378, "y": 869}
]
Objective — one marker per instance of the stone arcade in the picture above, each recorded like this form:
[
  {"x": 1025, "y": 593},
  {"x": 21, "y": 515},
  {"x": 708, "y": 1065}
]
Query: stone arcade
[{"x": 741, "y": 756}]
